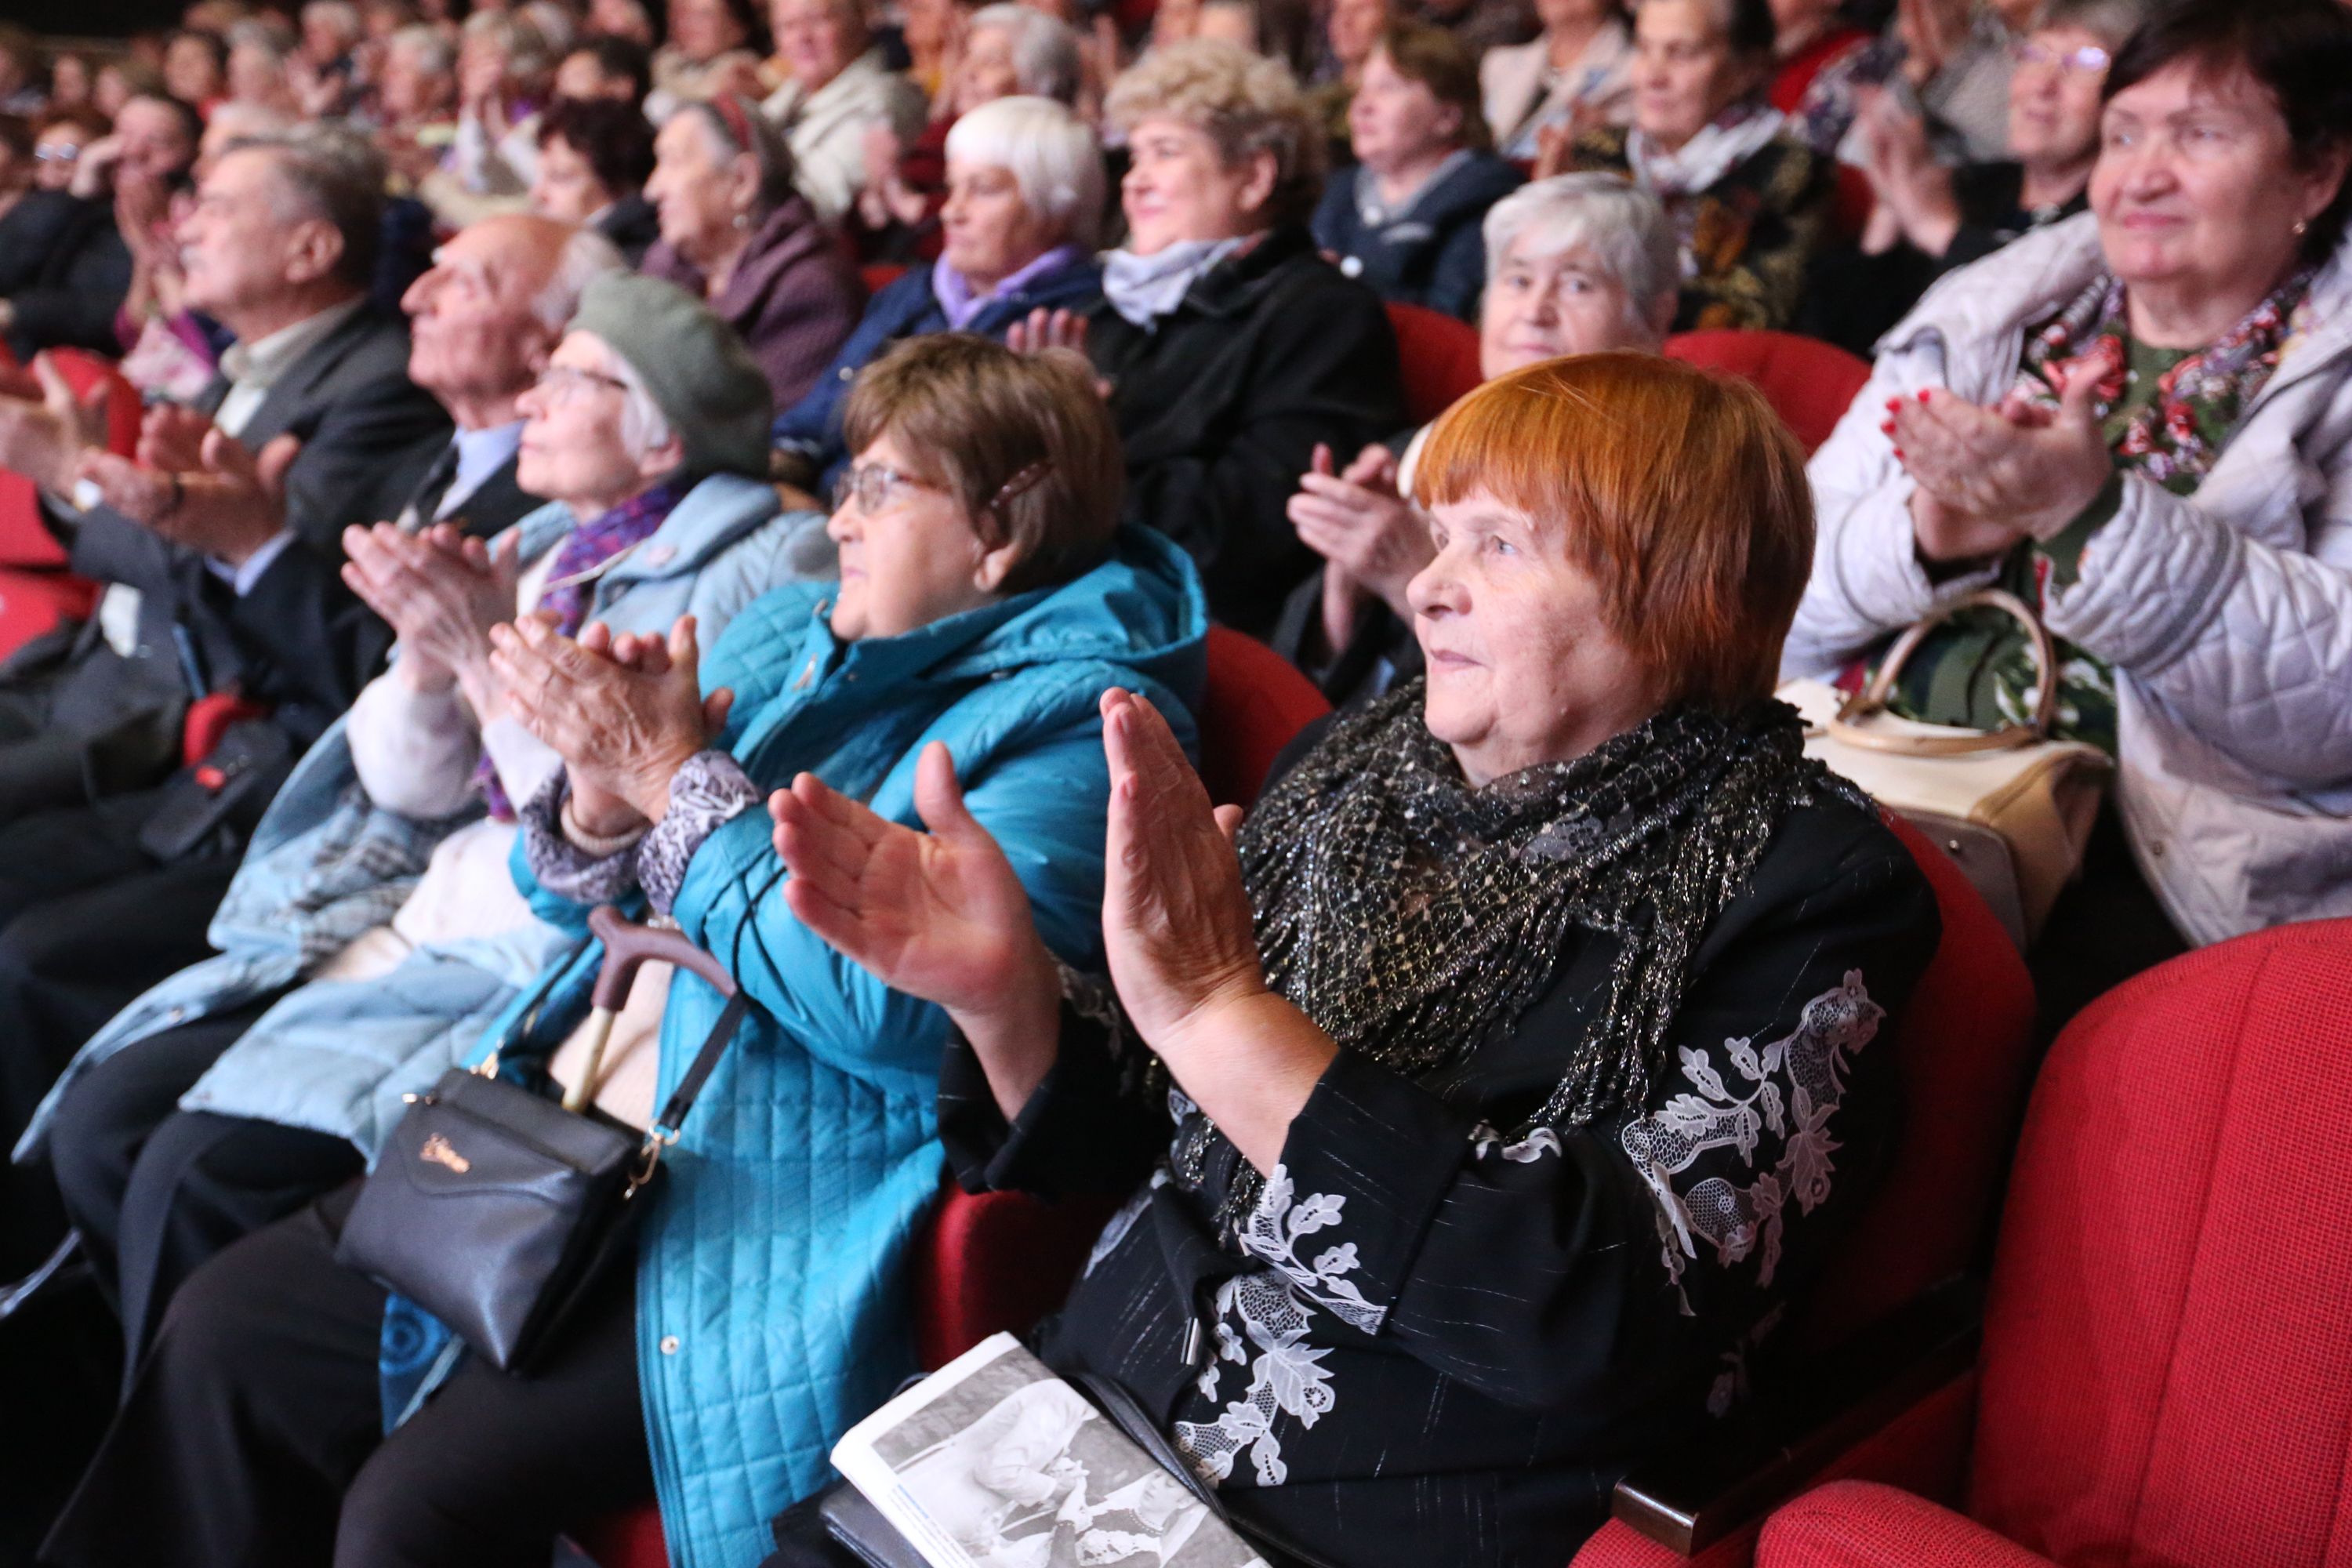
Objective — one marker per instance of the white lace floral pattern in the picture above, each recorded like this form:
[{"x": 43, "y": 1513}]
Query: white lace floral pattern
[
  {"x": 1739, "y": 1221},
  {"x": 1273, "y": 1306}
]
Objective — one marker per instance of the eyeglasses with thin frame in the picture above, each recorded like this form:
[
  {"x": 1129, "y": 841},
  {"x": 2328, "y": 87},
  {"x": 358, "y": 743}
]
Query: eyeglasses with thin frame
[
  {"x": 2089, "y": 59},
  {"x": 54, "y": 153},
  {"x": 869, "y": 485},
  {"x": 558, "y": 383}
]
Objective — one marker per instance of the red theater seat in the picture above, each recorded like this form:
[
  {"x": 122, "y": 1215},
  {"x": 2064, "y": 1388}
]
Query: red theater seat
[
  {"x": 2166, "y": 1369},
  {"x": 1810, "y": 384},
  {"x": 880, "y": 275},
  {"x": 1963, "y": 1043},
  {"x": 1439, "y": 357}
]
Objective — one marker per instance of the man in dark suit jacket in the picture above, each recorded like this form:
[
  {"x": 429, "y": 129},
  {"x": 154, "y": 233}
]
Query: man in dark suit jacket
[{"x": 484, "y": 319}]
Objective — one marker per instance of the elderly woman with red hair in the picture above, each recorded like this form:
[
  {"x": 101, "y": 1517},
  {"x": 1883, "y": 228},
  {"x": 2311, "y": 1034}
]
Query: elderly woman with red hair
[{"x": 1488, "y": 1093}]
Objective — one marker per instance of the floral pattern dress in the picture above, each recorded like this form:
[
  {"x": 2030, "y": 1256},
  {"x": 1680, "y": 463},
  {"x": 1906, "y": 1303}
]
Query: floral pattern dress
[{"x": 1415, "y": 1331}]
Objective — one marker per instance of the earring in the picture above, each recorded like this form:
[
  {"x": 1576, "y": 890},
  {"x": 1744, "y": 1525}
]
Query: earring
[
  {"x": 2301, "y": 227},
  {"x": 742, "y": 220}
]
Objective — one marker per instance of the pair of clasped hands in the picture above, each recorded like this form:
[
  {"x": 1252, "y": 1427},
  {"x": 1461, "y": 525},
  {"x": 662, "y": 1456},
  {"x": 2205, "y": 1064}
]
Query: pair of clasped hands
[{"x": 1988, "y": 478}]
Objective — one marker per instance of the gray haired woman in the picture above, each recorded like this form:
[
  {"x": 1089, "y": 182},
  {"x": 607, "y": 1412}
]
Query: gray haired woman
[{"x": 1576, "y": 264}]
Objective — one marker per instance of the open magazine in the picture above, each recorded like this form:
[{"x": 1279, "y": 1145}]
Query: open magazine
[{"x": 994, "y": 1462}]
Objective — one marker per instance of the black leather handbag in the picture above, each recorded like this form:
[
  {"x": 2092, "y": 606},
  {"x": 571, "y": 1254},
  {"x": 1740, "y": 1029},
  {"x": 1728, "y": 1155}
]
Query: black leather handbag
[{"x": 495, "y": 1208}]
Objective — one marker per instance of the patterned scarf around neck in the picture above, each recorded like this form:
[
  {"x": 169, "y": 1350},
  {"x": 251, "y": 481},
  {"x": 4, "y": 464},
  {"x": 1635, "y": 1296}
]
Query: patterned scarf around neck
[
  {"x": 586, "y": 548},
  {"x": 1415, "y": 917},
  {"x": 2175, "y": 435},
  {"x": 1725, "y": 142}
]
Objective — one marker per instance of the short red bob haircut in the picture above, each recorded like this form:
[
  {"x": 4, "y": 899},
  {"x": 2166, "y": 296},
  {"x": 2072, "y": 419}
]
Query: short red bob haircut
[{"x": 1678, "y": 491}]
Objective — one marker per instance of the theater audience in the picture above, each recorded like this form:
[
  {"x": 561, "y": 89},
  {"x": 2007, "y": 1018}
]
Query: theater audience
[
  {"x": 2108, "y": 419},
  {"x": 1230, "y": 348},
  {"x": 69, "y": 83},
  {"x": 1405, "y": 220},
  {"x": 735, "y": 231},
  {"x": 1427, "y": 1007},
  {"x": 594, "y": 158},
  {"x": 834, "y": 84},
  {"x": 1747, "y": 205},
  {"x": 221, "y": 547},
  {"x": 1808, "y": 37},
  {"x": 22, "y": 90},
  {"x": 987, "y": 597},
  {"x": 1952, "y": 56},
  {"x": 1576, "y": 264},
  {"x": 1573, "y": 76},
  {"x": 1024, "y": 194},
  {"x": 1351, "y": 30},
  {"x": 1928, "y": 219},
  {"x": 58, "y": 148},
  {"x": 328, "y": 1011},
  {"x": 86, "y": 271},
  {"x": 257, "y": 67},
  {"x": 1008, "y": 49}
]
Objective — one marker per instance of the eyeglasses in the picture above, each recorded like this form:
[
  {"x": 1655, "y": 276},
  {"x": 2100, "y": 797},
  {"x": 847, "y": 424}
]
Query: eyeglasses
[
  {"x": 53, "y": 154},
  {"x": 557, "y": 382},
  {"x": 868, "y": 485},
  {"x": 2088, "y": 60}
]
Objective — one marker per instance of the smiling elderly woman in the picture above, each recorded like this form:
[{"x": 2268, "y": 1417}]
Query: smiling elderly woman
[
  {"x": 987, "y": 597},
  {"x": 1025, "y": 195},
  {"x": 1481, "y": 1052},
  {"x": 1230, "y": 346},
  {"x": 2137, "y": 421}
]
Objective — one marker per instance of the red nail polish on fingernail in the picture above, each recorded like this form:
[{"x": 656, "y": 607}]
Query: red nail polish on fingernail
[
  {"x": 1923, "y": 394},
  {"x": 1898, "y": 453},
  {"x": 1887, "y": 427}
]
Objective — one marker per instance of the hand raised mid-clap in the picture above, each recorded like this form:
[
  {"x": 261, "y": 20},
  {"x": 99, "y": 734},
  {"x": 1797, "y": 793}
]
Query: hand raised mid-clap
[
  {"x": 624, "y": 712},
  {"x": 440, "y": 592},
  {"x": 1991, "y": 476}
]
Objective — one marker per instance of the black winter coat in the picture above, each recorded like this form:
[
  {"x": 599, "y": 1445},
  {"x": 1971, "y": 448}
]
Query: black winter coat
[
  {"x": 1221, "y": 403},
  {"x": 1435, "y": 252}
]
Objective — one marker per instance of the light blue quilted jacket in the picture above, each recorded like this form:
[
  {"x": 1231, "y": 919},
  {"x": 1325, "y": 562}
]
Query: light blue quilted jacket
[
  {"x": 772, "y": 1289},
  {"x": 327, "y": 863}
]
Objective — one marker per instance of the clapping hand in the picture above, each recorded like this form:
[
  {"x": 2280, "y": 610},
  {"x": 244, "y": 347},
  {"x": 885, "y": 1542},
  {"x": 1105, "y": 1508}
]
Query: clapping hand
[
  {"x": 230, "y": 505},
  {"x": 624, "y": 712},
  {"x": 42, "y": 440},
  {"x": 1374, "y": 538},
  {"x": 441, "y": 593},
  {"x": 1990, "y": 477}
]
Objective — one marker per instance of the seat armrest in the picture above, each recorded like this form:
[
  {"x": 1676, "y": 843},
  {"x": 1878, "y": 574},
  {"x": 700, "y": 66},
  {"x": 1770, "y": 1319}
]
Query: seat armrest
[{"x": 1723, "y": 1481}]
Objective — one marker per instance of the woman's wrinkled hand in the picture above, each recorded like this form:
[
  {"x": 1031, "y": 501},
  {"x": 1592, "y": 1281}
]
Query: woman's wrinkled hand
[
  {"x": 441, "y": 593},
  {"x": 624, "y": 712},
  {"x": 1986, "y": 471},
  {"x": 1358, "y": 522},
  {"x": 939, "y": 915},
  {"x": 1177, "y": 927}
]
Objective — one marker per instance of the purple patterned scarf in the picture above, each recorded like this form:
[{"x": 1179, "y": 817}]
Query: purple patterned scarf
[{"x": 585, "y": 548}]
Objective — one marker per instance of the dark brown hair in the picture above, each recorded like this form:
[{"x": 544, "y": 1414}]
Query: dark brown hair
[
  {"x": 614, "y": 137},
  {"x": 1024, "y": 442}
]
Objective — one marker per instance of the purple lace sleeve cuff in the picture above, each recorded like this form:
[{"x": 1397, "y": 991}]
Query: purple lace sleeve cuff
[
  {"x": 563, "y": 867},
  {"x": 710, "y": 791}
]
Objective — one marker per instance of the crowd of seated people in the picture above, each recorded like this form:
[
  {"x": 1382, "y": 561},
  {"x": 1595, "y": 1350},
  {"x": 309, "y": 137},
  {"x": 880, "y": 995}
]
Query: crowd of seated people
[{"x": 778, "y": 469}]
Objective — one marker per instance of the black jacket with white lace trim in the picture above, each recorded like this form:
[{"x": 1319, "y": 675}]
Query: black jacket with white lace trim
[{"x": 1424, "y": 1342}]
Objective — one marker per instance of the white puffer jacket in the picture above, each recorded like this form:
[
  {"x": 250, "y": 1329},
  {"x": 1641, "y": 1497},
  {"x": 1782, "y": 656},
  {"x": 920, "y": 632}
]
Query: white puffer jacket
[{"x": 2227, "y": 614}]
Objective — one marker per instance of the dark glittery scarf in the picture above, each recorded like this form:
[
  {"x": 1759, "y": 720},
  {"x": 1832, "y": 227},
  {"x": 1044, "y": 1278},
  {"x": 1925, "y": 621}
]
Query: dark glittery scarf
[{"x": 1415, "y": 917}]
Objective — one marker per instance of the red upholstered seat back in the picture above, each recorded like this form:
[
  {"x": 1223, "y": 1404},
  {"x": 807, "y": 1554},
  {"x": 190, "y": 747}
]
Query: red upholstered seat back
[
  {"x": 879, "y": 275},
  {"x": 24, "y": 540},
  {"x": 1810, "y": 384},
  {"x": 1439, "y": 357},
  {"x": 1255, "y": 704},
  {"x": 1963, "y": 1043},
  {"x": 2167, "y": 1364}
]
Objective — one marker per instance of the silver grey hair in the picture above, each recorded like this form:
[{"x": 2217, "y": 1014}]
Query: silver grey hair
[
  {"x": 586, "y": 256},
  {"x": 1044, "y": 49},
  {"x": 426, "y": 46},
  {"x": 1623, "y": 226},
  {"x": 256, "y": 33},
  {"x": 2110, "y": 21},
  {"x": 331, "y": 170},
  {"x": 1053, "y": 155},
  {"x": 643, "y": 427}
]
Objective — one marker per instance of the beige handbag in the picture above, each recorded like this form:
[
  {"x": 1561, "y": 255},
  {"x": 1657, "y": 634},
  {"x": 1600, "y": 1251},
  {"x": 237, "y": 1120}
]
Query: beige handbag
[{"x": 2012, "y": 806}]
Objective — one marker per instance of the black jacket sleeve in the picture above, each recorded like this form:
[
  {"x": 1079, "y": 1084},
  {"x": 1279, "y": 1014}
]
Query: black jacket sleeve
[
  {"x": 73, "y": 304},
  {"x": 362, "y": 454}
]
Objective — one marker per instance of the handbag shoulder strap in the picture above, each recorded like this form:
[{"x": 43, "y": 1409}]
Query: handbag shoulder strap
[{"x": 629, "y": 946}]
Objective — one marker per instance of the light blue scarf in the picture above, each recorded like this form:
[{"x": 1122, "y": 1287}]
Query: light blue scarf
[{"x": 1145, "y": 288}]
